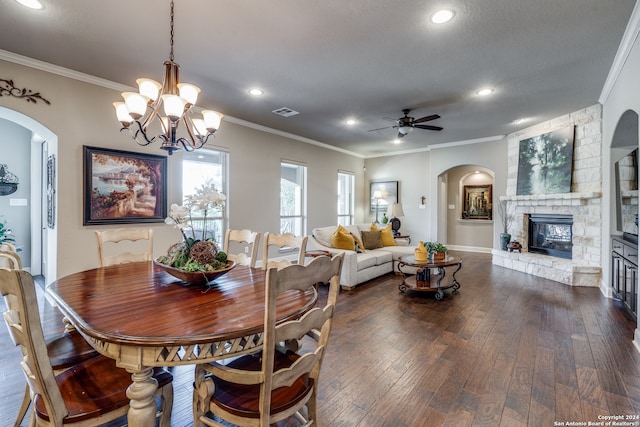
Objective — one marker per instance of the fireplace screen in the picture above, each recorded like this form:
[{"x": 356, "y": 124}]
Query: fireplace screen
[{"x": 550, "y": 235}]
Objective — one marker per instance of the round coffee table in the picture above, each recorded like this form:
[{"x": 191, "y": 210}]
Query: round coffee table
[{"x": 424, "y": 280}]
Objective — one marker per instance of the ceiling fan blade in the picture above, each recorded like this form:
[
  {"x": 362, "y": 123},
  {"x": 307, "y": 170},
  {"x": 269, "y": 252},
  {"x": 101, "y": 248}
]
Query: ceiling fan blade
[
  {"x": 429, "y": 127},
  {"x": 426, "y": 118},
  {"x": 386, "y": 127}
]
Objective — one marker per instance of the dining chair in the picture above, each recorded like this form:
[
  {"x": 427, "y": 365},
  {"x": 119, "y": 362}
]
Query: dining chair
[
  {"x": 64, "y": 350},
  {"x": 240, "y": 238},
  {"x": 267, "y": 387},
  {"x": 283, "y": 241},
  {"x": 89, "y": 393},
  {"x": 10, "y": 260},
  {"x": 115, "y": 237},
  {"x": 8, "y": 247}
]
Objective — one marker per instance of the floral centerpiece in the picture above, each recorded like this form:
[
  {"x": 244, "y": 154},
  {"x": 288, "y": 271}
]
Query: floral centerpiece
[{"x": 197, "y": 254}]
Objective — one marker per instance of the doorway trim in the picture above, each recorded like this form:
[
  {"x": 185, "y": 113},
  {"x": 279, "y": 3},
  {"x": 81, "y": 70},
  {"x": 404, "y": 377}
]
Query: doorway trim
[{"x": 51, "y": 140}]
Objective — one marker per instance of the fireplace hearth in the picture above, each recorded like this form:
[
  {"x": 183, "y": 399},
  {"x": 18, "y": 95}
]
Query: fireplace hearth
[{"x": 550, "y": 234}]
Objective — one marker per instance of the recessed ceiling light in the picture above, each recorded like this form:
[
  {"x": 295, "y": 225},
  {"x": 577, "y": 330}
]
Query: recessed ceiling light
[
  {"x": 31, "y": 4},
  {"x": 350, "y": 122},
  {"x": 483, "y": 92},
  {"x": 518, "y": 121},
  {"x": 442, "y": 16},
  {"x": 256, "y": 92}
]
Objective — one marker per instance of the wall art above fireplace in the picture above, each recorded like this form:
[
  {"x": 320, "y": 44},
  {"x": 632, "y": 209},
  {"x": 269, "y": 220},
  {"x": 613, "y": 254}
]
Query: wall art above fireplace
[{"x": 545, "y": 163}]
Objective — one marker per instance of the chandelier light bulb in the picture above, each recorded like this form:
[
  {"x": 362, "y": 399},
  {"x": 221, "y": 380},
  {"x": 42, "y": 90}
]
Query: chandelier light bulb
[
  {"x": 149, "y": 88},
  {"x": 122, "y": 112},
  {"x": 212, "y": 119},
  {"x": 189, "y": 92},
  {"x": 173, "y": 106},
  {"x": 136, "y": 104}
]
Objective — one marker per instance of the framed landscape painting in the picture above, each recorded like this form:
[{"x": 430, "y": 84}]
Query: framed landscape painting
[
  {"x": 545, "y": 163},
  {"x": 122, "y": 187}
]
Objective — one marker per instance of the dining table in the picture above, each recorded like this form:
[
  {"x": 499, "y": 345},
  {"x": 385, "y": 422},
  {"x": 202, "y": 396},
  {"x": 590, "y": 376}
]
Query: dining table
[{"x": 142, "y": 317}]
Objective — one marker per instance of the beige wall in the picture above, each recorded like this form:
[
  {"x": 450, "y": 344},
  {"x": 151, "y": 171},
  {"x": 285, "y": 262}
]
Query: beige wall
[
  {"x": 82, "y": 114},
  {"x": 424, "y": 173}
]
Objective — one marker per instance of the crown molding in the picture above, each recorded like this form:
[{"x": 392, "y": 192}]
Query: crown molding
[
  {"x": 97, "y": 81},
  {"x": 440, "y": 146},
  {"x": 624, "y": 50}
]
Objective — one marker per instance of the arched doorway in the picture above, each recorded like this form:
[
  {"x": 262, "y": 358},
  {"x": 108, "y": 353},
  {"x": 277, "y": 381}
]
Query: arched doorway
[{"x": 44, "y": 145}]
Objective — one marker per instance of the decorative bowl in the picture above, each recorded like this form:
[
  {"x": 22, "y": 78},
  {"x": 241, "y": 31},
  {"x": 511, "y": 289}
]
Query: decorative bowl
[{"x": 195, "y": 277}]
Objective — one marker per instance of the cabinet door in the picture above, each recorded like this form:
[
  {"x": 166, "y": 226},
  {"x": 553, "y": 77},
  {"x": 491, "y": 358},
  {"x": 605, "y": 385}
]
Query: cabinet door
[
  {"x": 617, "y": 274},
  {"x": 630, "y": 295}
]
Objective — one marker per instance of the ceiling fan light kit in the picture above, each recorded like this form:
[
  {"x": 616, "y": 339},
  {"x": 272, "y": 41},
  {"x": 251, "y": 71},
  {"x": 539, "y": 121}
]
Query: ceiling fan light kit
[{"x": 407, "y": 124}]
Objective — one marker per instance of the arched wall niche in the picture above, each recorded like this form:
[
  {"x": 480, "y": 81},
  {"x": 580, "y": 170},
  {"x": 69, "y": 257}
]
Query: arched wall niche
[{"x": 470, "y": 235}]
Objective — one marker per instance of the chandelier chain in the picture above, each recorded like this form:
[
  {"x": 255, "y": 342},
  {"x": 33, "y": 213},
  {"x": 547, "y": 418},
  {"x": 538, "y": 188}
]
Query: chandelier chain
[{"x": 171, "y": 40}]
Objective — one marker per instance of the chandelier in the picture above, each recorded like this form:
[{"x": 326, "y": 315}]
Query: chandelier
[{"x": 171, "y": 103}]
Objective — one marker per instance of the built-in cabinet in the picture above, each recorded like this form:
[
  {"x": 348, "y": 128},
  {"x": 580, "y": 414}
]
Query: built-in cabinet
[{"x": 624, "y": 273}]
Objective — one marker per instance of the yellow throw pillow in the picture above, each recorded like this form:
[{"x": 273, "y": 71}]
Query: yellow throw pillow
[
  {"x": 342, "y": 239},
  {"x": 386, "y": 234}
]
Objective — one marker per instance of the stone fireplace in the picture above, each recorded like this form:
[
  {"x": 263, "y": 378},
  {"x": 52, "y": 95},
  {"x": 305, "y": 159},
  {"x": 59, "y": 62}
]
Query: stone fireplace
[{"x": 583, "y": 205}]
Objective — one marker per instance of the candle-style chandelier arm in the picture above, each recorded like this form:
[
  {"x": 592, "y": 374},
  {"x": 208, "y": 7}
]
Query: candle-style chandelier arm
[{"x": 139, "y": 131}]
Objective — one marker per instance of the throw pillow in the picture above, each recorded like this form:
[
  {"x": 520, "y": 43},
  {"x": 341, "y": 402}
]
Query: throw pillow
[
  {"x": 372, "y": 239},
  {"x": 342, "y": 239},
  {"x": 359, "y": 245},
  {"x": 387, "y": 235}
]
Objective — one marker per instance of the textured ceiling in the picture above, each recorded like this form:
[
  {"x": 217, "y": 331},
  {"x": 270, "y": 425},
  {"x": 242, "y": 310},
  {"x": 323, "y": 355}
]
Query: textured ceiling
[{"x": 333, "y": 59}]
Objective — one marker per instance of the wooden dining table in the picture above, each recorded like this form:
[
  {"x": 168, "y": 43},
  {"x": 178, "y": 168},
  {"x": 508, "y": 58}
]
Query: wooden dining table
[{"x": 143, "y": 317}]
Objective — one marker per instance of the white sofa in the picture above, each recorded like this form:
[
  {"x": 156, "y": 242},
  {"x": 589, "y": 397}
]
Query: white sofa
[{"x": 360, "y": 267}]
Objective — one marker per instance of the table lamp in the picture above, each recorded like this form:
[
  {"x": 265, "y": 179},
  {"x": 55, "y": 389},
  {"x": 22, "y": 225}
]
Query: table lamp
[
  {"x": 377, "y": 195},
  {"x": 394, "y": 211}
]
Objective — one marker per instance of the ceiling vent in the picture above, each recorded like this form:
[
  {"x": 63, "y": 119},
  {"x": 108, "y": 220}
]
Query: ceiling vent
[{"x": 285, "y": 112}]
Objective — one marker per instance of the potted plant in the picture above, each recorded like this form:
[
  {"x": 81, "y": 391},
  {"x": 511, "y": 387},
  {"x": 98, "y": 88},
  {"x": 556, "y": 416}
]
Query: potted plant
[
  {"x": 6, "y": 236},
  {"x": 437, "y": 251},
  {"x": 196, "y": 259},
  {"x": 506, "y": 218}
]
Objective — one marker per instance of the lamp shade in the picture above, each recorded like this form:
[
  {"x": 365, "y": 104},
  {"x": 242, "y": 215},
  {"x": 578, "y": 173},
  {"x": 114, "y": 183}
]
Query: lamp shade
[{"x": 395, "y": 210}]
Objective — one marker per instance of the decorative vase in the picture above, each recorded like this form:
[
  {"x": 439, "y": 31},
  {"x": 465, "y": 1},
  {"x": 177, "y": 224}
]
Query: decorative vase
[
  {"x": 421, "y": 253},
  {"x": 195, "y": 277},
  {"x": 505, "y": 238}
]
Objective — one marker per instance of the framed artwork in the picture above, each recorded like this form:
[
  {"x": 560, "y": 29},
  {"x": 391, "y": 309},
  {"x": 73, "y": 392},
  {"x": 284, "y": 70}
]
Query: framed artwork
[
  {"x": 382, "y": 195},
  {"x": 51, "y": 191},
  {"x": 477, "y": 202},
  {"x": 122, "y": 187},
  {"x": 545, "y": 163}
]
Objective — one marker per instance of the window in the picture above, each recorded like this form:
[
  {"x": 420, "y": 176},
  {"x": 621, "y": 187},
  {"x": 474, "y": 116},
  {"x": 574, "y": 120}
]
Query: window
[
  {"x": 293, "y": 198},
  {"x": 204, "y": 167},
  {"x": 346, "y": 189}
]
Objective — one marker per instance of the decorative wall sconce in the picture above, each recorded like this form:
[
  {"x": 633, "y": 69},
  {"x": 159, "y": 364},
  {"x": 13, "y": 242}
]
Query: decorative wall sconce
[{"x": 8, "y": 181}]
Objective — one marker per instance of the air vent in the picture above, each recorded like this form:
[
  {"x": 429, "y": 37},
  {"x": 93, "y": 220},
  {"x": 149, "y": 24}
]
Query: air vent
[{"x": 285, "y": 112}]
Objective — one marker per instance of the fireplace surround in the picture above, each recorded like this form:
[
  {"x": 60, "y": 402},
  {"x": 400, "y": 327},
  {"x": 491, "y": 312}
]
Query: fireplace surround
[{"x": 550, "y": 234}]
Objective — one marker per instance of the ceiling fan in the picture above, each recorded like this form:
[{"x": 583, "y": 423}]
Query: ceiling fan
[{"x": 406, "y": 124}]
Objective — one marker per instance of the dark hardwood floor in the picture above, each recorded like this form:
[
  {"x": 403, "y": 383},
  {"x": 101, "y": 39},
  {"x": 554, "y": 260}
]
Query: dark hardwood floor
[{"x": 509, "y": 350}]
